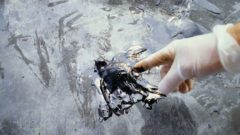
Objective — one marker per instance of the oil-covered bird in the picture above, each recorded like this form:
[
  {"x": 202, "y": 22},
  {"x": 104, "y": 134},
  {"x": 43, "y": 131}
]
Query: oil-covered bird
[{"x": 121, "y": 87}]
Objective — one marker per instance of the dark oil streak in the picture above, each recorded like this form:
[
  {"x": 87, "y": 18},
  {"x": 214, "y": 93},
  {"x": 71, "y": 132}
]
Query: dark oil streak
[
  {"x": 71, "y": 70},
  {"x": 69, "y": 23},
  {"x": 52, "y": 4},
  {"x": 1, "y": 71},
  {"x": 43, "y": 67},
  {"x": 61, "y": 24},
  {"x": 13, "y": 41}
]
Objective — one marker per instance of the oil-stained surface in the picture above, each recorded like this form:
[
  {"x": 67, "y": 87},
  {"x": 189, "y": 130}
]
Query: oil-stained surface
[{"x": 47, "y": 53}]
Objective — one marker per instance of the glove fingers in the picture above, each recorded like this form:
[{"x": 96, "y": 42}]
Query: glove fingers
[
  {"x": 189, "y": 82},
  {"x": 183, "y": 87},
  {"x": 163, "y": 56},
  {"x": 170, "y": 81},
  {"x": 164, "y": 69},
  {"x": 186, "y": 86}
]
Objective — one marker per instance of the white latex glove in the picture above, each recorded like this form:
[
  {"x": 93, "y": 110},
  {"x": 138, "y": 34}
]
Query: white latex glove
[{"x": 185, "y": 59}]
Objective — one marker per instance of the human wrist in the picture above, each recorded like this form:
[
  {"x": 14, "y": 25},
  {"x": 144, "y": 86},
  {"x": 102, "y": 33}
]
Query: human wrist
[
  {"x": 234, "y": 31},
  {"x": 228, "y": 48}
]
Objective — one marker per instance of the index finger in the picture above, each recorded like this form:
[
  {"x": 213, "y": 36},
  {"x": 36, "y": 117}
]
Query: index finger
[{"x": 163, "y": 56}]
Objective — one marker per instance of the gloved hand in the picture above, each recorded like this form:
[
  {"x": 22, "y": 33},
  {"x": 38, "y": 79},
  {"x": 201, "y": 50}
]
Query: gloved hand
[{"x": 182, "y": 60}]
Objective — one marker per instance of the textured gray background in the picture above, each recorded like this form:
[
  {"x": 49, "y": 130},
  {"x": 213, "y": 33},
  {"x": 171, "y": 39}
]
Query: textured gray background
[{"x": 46, "y": 69}]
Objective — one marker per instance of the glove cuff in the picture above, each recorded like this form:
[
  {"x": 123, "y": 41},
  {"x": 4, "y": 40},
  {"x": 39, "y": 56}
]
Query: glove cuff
[{"x": 228, "y": 49}]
